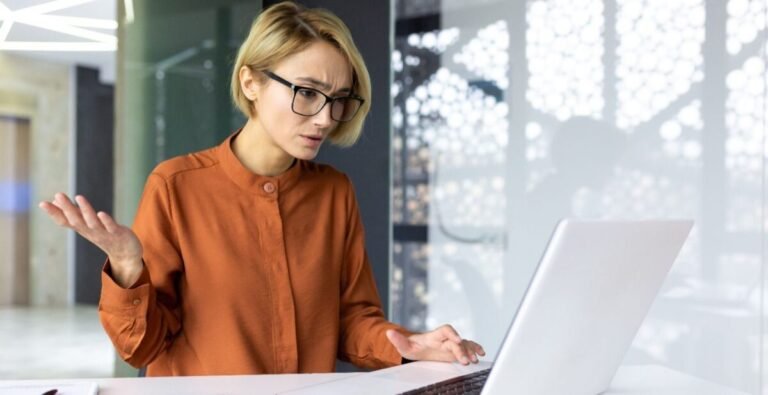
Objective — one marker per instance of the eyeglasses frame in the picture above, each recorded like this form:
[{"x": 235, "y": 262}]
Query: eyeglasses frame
[{"x": 328, "y": 99}]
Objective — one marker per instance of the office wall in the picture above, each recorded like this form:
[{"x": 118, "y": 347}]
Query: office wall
[
  {"x": 510, "y": 115},
  {"x": 42, "y": 93}
]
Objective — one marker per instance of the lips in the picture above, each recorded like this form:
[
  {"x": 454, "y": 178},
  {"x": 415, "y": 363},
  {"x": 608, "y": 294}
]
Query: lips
[{"x": 312, "y": 141}]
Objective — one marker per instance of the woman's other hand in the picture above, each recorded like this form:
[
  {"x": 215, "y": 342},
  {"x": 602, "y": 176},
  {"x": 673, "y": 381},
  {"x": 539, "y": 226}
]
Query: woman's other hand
[
  {"x": 441, "y": 344},
  {"x": 119, "y": 242}
]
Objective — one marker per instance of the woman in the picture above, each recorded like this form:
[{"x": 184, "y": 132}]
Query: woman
[{"x": 247, "y": 257}]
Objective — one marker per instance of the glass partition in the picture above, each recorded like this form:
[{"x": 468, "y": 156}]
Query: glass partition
[{"x": 509, "y": 115}]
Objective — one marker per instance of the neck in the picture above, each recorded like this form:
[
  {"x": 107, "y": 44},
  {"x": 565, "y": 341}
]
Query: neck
[{"x": 258, "y": 153}]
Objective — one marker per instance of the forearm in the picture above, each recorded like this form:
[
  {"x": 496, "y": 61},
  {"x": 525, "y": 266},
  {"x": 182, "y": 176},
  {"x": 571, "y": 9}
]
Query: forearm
[{"x": 139, "y": 326}]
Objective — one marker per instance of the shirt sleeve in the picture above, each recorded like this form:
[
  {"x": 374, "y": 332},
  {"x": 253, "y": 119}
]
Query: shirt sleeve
[
  {"x": 143, "y": 319},
  {"x": 363, "y": 339}
]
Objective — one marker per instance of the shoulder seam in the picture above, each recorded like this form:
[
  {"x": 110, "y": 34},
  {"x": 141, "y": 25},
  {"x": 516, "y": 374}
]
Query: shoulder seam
[{"x": 170, "y": 176}]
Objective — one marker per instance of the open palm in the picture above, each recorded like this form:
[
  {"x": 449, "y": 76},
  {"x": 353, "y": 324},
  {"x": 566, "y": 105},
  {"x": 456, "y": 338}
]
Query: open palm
[{"x": 117, "y": 241}]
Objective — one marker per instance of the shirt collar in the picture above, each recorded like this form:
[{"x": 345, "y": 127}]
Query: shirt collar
[{"x": 255, "y": 183}]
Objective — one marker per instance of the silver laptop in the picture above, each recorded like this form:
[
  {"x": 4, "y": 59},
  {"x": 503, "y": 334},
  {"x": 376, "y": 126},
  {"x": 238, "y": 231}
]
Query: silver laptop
[{"x": 590, "y": 293}]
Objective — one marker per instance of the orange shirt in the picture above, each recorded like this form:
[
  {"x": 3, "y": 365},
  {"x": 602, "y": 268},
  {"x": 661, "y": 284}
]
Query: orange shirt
[{"x": 246, "y": 274}]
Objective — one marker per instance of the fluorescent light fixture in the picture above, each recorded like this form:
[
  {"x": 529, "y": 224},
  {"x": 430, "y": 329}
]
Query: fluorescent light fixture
[
  {"x": 5, "y": 29},
  {"x": 51, "y": 6},
  {"x": 56, "y": 46},
  {"x": 78, "y": 27},
  {"x": 52, "y": 23},
  {"x": 95, "y": 23},
  {"x": 128, "y": 4}
]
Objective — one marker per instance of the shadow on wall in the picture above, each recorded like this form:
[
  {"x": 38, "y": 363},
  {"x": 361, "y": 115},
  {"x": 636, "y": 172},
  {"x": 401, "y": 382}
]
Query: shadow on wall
[{"x": 584, "y": 153}]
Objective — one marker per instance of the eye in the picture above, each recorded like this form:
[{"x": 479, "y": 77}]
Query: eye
[{"x": 307, "y": 93}]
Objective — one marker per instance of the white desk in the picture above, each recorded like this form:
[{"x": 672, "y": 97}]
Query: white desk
[{"x": 630, "y": 380}]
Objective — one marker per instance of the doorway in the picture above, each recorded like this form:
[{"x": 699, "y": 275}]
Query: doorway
[{"x": 14, "y": 211}]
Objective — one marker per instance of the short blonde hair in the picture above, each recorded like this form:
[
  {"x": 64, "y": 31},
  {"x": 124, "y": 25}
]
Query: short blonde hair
[{"x": 287, "y": 28}]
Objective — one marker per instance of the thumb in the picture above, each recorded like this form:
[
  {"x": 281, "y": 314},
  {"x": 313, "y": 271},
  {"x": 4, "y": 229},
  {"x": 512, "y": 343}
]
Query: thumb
[{"x": 401, "y": 343}]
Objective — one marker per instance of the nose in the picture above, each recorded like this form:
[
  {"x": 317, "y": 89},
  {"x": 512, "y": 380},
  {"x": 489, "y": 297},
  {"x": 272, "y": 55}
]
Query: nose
[{"x": 323, "y": 118}]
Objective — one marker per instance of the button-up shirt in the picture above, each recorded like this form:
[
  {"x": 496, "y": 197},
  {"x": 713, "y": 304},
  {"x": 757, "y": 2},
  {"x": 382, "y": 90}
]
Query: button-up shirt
[{"x": 247, "y": 274}]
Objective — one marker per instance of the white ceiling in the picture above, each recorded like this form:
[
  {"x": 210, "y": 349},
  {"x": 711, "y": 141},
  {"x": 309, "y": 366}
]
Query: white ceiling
[{"x": 45, "y": 28}]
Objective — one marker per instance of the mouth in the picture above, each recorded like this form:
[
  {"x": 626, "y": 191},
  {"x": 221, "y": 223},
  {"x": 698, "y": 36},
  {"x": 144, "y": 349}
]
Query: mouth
[{"x": 312, "y": 140}]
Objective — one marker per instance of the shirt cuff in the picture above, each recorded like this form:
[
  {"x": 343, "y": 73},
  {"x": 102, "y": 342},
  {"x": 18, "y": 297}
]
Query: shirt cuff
[{"x": 114, "y": 296}]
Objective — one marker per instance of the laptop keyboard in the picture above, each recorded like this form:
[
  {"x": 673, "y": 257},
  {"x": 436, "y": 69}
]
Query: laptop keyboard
[{"x": 469, "y": 384}]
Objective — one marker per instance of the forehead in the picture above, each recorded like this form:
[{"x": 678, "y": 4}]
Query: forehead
[{"x": 321, "y": 61}]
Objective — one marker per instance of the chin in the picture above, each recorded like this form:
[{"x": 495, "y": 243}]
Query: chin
[{"x": 306, "y": 154}]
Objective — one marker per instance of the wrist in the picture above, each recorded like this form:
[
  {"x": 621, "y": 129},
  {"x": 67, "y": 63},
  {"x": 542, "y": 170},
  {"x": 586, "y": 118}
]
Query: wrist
[
  {"x": 125, "y": 263},
  {"x": 125, "y": 272}
]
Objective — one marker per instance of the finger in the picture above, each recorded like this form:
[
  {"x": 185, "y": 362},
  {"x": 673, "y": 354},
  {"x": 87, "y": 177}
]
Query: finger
[
  {"x": 458, "y": 353},
  {"x": 70, "y": 211},
  {"x": 55, "y": 213},
  {"x": 89, "y": 215},
  {"x": 450, "y": 333},
  {"x": 109, "y": 224},
  {"x": 470, "y": 350},
  {"x": 479, "y": 350},
  {"x": 467, "y": 352},
  {"x": 59, "y": 198}
]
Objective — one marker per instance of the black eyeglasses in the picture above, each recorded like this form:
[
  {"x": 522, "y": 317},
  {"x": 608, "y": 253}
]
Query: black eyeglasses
[{"x": 308, "y": 101}]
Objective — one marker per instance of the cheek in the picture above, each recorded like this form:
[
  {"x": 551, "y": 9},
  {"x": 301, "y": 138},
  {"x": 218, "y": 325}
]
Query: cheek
[
  {"x": 273, "y": 106},
  {"x": 272, "y": 111},
  {"x": 278, "y": 119}
]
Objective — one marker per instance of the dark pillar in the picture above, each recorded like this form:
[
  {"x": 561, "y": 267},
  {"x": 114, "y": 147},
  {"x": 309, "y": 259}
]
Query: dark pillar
[{"x": 94, "y": 172}]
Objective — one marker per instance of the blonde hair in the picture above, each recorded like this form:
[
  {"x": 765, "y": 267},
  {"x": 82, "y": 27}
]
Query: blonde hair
[{"x": 287, "y": 28}]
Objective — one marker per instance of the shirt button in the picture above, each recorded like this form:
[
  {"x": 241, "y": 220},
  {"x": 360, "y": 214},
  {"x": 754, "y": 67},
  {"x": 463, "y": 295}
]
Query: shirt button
[
  {"x": 136, "y": 302},
  {"x": 269, "y": 187}
]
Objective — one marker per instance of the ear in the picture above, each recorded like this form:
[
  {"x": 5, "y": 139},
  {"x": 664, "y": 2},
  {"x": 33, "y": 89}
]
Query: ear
[{"x": 248, "y": 83}]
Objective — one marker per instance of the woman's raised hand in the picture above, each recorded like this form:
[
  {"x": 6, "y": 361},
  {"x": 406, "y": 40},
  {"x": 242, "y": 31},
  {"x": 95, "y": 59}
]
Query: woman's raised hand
[{"x": 119, "y": 242}]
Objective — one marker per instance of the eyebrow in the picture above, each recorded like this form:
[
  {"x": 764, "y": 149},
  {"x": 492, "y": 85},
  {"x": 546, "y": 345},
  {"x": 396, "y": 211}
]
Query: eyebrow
[{"x": 322, "y": 85}]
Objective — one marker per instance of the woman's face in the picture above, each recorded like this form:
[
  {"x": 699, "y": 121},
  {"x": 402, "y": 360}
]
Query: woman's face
[{"x": 320, "y": 66}]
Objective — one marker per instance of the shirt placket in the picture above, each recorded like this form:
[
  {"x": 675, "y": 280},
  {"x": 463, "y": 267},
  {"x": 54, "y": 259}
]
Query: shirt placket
[{"x": 284, "y": 322}]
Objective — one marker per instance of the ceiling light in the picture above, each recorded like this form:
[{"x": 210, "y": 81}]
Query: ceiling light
[
  {"x": 51, "y": 6},
  {"x": 79, "y": 27},
  {"x": 56, "y": 46}
]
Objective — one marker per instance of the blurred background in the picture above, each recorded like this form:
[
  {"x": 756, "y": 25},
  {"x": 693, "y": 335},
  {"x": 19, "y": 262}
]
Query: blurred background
[{"x": 491, "y": 121}]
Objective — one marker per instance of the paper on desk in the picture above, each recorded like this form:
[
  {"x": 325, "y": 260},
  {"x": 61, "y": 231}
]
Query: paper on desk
[{"x": 37, "y": 388}]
